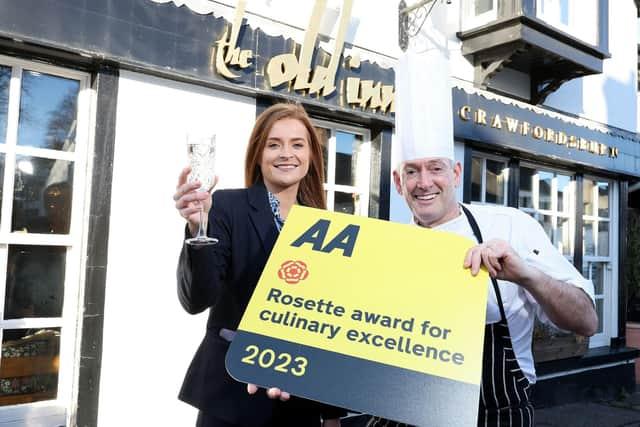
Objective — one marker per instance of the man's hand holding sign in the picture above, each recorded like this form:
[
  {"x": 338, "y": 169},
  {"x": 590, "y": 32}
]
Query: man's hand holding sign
[{"x": 332, "y": 308}]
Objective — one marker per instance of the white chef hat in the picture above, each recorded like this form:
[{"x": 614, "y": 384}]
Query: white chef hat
[{"x": 424, "y": 120}]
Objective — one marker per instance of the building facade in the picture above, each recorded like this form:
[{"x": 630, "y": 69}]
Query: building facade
[{"x": 96, "y": 98}]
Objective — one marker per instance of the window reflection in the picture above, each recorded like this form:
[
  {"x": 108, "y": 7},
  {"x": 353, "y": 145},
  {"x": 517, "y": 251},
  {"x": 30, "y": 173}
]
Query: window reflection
[
  {"x": 587, "y": 197},
  {"x": 595, "y": 272},
  {"x": 29, "y": 365},
  {"x": 482, "y": 6},
  {"x": 476, "y": 179},
  {"x": 588, "y": 245},
  {"x": 564, "y": 236},
  {"x": 603, "y": 199},
  {"x": 495, "y": 180},
  {"x": 600, "y": 313},
  {"x": 525, "y": 197},
  {"x": 544, "y": 191},
  {"x": 48, "y": 111},
  {"x": 347, "y": 149},
  {"x": 578, "y": 18},
  {"x": 35, "y": 281},
  {"x": 547, "y": 225},
  {"x": 345, "y": 202},
  {"x": 5, "y": 79},
  {"x": 564, "y": 193},
  {"x": 42, "y": 195},
  {"x": 603, "y": 238}
]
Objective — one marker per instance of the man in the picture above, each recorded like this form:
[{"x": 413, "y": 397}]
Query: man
[{"x": 529, "y": 276}]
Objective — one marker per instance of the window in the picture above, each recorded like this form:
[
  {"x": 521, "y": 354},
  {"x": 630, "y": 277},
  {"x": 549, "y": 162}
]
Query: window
[
  {"x": 476, "y": 13},
  {"x": 549, "y": 197},
  {"x": 489, "y": 178},
  {"x": 597, "y": 249},
  {"x": 347, "y": 162},
  {"x": 43, "y": 146},
  {"x": 578, "y": 18}
]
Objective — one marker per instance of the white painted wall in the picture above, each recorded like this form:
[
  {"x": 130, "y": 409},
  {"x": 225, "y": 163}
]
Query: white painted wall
[
  {"x": 609, "y": 97},
  {"x": 148, "y": 339}
]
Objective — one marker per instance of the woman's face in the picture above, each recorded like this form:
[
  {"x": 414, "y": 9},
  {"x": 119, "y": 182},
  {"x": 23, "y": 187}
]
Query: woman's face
[{"x": 286, "y": 155}]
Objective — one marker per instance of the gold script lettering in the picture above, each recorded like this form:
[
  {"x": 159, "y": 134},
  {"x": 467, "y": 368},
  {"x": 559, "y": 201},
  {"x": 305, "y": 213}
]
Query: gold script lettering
[
  {"x": 323, "y": 78},
  {"x": 227, "y": 53},
  {"x": 512, "y": 124},
  {"x": 496, "y": 122},
  {"x": 365, "y": 93},
  {"x": 463, "y": 112},
  {"x": 481, "y": 117}
]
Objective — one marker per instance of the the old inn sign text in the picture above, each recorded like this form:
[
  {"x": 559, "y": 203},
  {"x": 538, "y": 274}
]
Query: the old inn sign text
[{"x": 249, "y": 56}]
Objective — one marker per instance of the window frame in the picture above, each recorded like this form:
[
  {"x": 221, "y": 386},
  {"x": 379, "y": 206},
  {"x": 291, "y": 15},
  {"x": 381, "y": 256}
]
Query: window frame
[
  {"x": 610, "y": 289},
  {"x": 364, "y": 190},
  {"x": 554, "y": 213},
  {"x": 483, "y": 185},
  {"x": 470, "y": 20},
  {"x": 575, "y": 20},
  {"x": 60, "y": 409}
]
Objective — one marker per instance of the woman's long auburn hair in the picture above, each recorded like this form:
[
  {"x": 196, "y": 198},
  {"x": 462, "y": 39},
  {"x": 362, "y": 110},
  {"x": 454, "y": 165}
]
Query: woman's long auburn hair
[{"x": 311, "y": 190}]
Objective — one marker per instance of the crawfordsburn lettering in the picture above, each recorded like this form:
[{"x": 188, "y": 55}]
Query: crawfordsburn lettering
[
  {"x": 296, "y": 70},
  {"x": 521, "y": 127}
]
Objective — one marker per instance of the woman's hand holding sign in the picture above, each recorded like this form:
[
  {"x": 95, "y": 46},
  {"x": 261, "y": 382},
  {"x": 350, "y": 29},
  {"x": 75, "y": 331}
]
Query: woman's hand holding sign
[{"x": 273, "y": 392}]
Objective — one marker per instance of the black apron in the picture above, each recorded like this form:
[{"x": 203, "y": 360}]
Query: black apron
[{"x": 504, "y": 391}]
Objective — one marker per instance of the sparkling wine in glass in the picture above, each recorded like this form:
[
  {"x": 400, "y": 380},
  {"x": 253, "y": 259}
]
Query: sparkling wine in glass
[{"x": 201, "y": 150}]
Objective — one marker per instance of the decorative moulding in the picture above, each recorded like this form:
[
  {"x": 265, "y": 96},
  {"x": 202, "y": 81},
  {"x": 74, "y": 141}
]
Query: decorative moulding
[
  {"x": 274, "y": 27},
  {"x": 203, "y": 7}
]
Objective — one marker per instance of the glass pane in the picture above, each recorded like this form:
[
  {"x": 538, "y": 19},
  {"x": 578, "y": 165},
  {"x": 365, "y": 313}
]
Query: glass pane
[
  {"x": 35, "y": 281},
  {"x": 558, "y": 13},
  {"x": 564, "y": 193},
  {"x": 347, "y": 150},
  {"x": 603, "y": 199},
  {"x": 544, "y": 191},
  {"x": 5, "y": 79},
  {"x": 345, "y": 202},
  {"x": 599, "y": 312},
  {"x": 546, "y": 223},
  {"x": 323, "y": 134},
  {"x": 43, "y": 193},
  {"x": 48, "y": 111},
  {"x": 29, "y": 365},
  {"x": 603, "y": 238},
  {"x": 476, "y": 179},
  {"x": 525, "y": 194},
  {"x": 587, "y": 197},
  {"x": 595, "y": 272},
  {"x": 2, "y": 156},
  {"x": 482, "y": 6},
  {"x": 588, "y": 243},
  {"x": 495, "y": 182},
  {"x": 564, "y": 236}
]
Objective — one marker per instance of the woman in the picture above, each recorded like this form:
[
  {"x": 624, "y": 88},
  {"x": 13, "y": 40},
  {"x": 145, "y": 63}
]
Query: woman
[{"x": 283, "y": 167}]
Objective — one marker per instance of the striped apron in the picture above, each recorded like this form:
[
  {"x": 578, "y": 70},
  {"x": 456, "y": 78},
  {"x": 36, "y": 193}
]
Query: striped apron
[{"x": 504, "y": 391}]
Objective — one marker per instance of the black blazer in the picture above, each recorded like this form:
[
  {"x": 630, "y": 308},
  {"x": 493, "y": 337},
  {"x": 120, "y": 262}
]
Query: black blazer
[{"x": 222, "y": 278}]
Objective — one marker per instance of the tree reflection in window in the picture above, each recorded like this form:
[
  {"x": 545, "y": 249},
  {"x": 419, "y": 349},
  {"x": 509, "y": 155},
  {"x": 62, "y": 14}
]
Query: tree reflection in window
[{"x": 48, "y": 111}]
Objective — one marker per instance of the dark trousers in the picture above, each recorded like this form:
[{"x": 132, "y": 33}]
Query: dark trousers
[{"x": 284, "y": 416}]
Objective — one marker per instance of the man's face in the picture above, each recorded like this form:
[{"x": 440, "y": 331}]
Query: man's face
[{"x": 429, "y": 188}]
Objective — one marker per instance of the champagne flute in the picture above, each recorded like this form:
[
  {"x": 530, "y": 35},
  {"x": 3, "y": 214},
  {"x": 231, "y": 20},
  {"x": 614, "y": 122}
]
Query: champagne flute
[{"x": 201, "y": 150}]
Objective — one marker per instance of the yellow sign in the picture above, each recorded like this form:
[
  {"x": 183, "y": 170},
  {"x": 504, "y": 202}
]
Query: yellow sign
[{"x": 348, "y": 306}]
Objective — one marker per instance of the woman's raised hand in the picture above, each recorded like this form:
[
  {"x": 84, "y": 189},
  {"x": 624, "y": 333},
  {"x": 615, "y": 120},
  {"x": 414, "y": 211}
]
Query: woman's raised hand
[{"x": 188, "y": 200}]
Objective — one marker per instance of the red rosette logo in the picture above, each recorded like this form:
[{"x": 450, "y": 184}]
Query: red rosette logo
[{"x": 293, "y": 271}]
